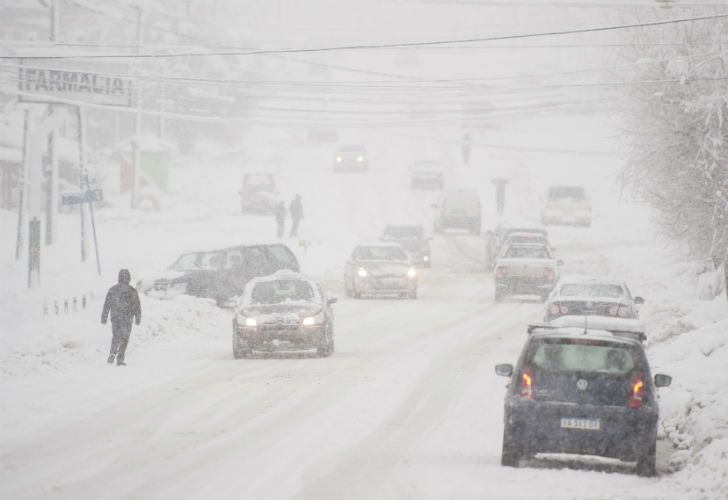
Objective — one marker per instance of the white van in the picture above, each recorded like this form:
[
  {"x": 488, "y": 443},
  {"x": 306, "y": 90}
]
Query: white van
[{"x": 458, "y": 209}]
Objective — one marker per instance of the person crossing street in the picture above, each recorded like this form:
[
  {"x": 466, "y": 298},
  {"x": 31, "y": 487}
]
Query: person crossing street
[
  {"x": 122, "y": 305},
  {"x": 296, "y": 211}
]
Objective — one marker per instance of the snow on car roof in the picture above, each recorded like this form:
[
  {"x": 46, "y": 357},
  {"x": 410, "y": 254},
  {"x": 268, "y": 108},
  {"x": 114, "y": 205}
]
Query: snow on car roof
[
  {"x": 600, "y": 323},
  {"x": 578, "y": 332},
  {"x": 281, "y": 275},
  {"x": 585, "y": 279}
]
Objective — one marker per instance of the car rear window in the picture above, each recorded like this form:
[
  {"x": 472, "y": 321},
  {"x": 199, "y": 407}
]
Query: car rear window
[
  {"x": 276, "y": 292},
  {"x": 527, "y": 253},
  {"x": 584, "y": 355},
  {"x": 591, "y": 290},
  {"x": 558, "y": 192}
]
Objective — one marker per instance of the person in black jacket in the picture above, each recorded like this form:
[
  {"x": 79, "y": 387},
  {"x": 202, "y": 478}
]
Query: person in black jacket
[
  {"x": 296, "y": 211},
  {"x": 122, "y": 303}
]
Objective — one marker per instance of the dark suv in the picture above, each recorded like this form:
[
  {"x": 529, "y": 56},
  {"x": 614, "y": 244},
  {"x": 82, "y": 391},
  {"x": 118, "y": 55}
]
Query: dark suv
[
  {"x": 584, "y": 392},
  {"x": 219, "y": 274}
]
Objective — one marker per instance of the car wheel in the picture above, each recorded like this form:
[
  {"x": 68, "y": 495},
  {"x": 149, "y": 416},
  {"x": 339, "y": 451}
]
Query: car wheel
[
  {"x": 326, "y": 346},
  {"x": 354, "y": 292},
  {"x": 239, "y": 353},
  {"x": 412, "y": 295},
  {"x": 646, "y": 461},
  {"x": 510, "y": 454}
]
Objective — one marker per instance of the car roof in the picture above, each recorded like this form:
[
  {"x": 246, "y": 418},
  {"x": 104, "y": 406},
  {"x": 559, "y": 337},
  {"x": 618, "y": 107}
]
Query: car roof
[
  {"x": 579, "y": 279},
  {"x": 575, "y": 332}
]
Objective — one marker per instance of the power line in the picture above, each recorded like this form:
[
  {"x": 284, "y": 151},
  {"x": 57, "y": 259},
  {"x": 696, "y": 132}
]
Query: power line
[{"x": 380, "y": 45}]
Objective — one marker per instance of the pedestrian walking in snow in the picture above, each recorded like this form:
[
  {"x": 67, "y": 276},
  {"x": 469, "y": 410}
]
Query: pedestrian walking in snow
[
  {"x": 467, "y": 145},
  {"x": 122, "y": 304},
  {"x": 280, "y": 214},
  {"x": 296, "y": 211}
]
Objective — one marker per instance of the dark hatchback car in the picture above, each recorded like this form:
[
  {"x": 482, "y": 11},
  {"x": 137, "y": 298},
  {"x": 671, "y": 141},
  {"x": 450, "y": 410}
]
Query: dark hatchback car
[
  {"x": 283, "y": 311},
  {"x": 219, "y": 274},
  {"x": 413, "y": 241},
  {"x": 581, "y": 393}
]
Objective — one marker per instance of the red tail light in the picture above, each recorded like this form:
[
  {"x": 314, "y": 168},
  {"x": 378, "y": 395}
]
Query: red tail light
[
  {"x": 554, "y": 309},
  {"x": 500, "y": 272},
  {"x": 549, "y": 274},
  {"x": 624, "y": 312},
  {"x": 527, "y": 390},
  {"x": 636, "y": 391}
]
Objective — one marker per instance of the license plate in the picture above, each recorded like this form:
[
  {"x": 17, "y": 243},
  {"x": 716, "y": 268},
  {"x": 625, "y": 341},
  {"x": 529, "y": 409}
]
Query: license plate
[{"x": 588, "y": 424}]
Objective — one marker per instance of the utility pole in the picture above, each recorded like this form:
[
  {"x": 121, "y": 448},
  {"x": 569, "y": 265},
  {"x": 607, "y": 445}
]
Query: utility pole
[{"x": 137, "y": 119}]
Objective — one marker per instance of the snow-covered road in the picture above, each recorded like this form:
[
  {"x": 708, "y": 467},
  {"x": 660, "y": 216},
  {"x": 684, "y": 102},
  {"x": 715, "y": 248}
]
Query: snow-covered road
[{"x": 408, "y": 407}]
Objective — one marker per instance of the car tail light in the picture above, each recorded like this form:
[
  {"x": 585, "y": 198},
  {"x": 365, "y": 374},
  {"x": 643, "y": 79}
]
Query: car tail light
[
  {"x": 636, "y": 392},
  {"x": 549, "y": 273},
  {"x": 625, "y": 312},
  {"x": 500, "y": 272},
  {"x": 613, "y": 310},
  {"x": 526, "y": 384},
  {"x": 554, "y": 309},
  {"x": 564, "y": 310}
]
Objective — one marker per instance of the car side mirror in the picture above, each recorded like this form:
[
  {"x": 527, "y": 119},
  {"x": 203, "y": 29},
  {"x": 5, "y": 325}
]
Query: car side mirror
[
  {"x": 639, "y": 300},
  {"x": 559, "y": 262},
  {"x": 504, "y": 370},
  {"x": 332, "y": 300},
  {"x": 662, "y": 380}
]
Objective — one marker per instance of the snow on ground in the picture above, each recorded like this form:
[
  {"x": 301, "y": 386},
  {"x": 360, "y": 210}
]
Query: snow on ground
[{"x": 408, "y": 407}]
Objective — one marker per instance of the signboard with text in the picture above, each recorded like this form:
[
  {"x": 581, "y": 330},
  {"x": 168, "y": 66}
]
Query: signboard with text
[
  {"x": 76, "y": 198},
  {"x": 43, "y": 84}
]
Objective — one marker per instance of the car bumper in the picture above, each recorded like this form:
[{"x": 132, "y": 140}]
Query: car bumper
[
  {"x": 524, "y": 285},
  {"x": 266, "y": 337},
  {"x": 455, "y": 222},
  {"x": 350, "y": 165},
  {"x": 624, "y": 433},
  {"x": 386, "y": 286}
]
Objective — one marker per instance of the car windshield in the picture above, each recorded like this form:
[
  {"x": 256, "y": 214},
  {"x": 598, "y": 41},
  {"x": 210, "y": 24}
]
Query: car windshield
[
  {"x": 526, "y": 238},
  {"x": 351, "y": 149},
  {"x": 527, "y": 253},
  {"x": 381, "y": 253},
  {"x": 404, "y": 232},
  {"x": 185, "y": 262},
  {"x": 276, "y": 292},
  {"x": 558, "y": 192},
  {"x": 583, "y": 355},
  {"x": 591, "y": 290}
]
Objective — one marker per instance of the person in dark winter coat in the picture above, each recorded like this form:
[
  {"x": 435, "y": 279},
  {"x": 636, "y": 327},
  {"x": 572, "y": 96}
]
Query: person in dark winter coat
[
  {"x": 467, "y": 145},
  {"x": 281, "y": 213},
  {"x": 296, "y": 211},
  {"x": 122, "y": 304}
]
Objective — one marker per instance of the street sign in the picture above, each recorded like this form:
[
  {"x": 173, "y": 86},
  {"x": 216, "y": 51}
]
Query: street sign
[
  {"x": 38, "y": 84},
  {"x": 87, "y": 196}
]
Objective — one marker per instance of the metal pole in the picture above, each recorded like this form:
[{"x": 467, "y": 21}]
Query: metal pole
[
  {"x": 55, "y": 21},
  {"x": 84, "y": 177},
  {"x": 52, "y": 193},
  {"x": 138, "y": 120},
  {"x": 23, "y": 176},
  {"x": 81, "y": 169}
]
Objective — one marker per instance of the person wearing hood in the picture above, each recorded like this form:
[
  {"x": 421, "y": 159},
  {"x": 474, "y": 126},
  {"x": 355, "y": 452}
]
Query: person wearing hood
[{"x": 122, "y": 304}]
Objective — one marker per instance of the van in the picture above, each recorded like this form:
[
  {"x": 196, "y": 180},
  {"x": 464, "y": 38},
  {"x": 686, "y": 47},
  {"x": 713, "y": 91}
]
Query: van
[{"x": 458, "y": 209}]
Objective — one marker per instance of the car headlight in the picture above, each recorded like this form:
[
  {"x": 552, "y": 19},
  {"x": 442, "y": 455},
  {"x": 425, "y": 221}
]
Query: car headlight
[
  {"x": 339, "y": 159},
  {"x": 360, "y": 159},
  {"x": 411, "y": 272},
  {"x": 251, "y": 322},
  {"x": 426, "y": 258},
  {"x": 362, "y": 272},
  {"x": 313, "y": 320}
]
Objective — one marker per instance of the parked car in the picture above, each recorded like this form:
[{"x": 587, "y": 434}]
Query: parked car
[
  {"x": 351, "y": 157},
  {"x": 413, "y": 240},
  {"x": 592, "y": 296},
  {"x": 458, "y": 209},
  {"x": 259, "y": 194},
  {"x": 283, "y": 311},
  {"x": 568, "y": 205},
  {"x": 526, "y": 269},
  {"x": 380, "y": 269},
  {"x": 581, "y": 391},
  {"x": 219, "y": 274},
  {"x": 427, "y": 175},
  {"x": 522, "y": 232}
]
